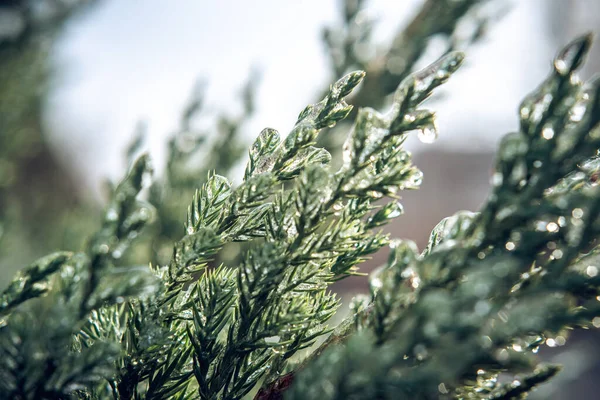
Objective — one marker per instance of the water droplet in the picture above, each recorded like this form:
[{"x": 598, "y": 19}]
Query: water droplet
[
  {"x": 272, "y": 339},
  {"x": 428, "y": 134},
  {"x": 548, "y": 133},
  {"x": 552, "y": 227},
  {"x": 596, "y": 322},
  {"x": 41, "y": 286},
  {"x": 442, "y": 388},
  {"x": 482, "y": 307},
  {"x": 497, "y": 179},
  {"x": 375, "y": 282},
  {"x": 111, "y": 215},
  {"x": 420, "y": 351},
  {"x": 395, "y": 210},
  {"x": 502, "y": 355},
  {"x": 517, "y": 347},
  {"x": 591, "y": 271},
  {"x": 510, "y": 246},
  {"x": 374, "y": 194},
  {"x": 577, "y": 112},
  {"x": 557, "y": 254},
  {"x": 577, "y": 213}
]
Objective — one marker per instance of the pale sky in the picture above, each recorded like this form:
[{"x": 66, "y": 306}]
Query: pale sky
[{"x": 128, "y": 61}]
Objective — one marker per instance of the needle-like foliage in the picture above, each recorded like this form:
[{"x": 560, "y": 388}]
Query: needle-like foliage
[
  {"x": 451, "y": 321},
  {"x": 492, "y": 286}
]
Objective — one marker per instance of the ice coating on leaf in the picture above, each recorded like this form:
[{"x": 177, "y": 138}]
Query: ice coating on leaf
[
  {"x": 393, "y": 286},
  {"x": 125, "y": 282},
  {"x": 25, "y": 284},
  {"x": 587, "y": 175},
  {"x": 307, "y": 156},
  {"x": 534, "y": 107},
  {"x": 208, "y": 203},
  {"x": 311, "y": 121},
  {"x": 572, "y": 56},
  {"x": 391, "y": 210},
  {"x": 450, "y": 228},
  {"x": 262, "y": 155},
  {"x": 375, "y": 130},
  {"x": 376, "y": 139},
  {"x": 366, "y": 135},
  {"x": 418, "y": 86},
  {"x": 346, "y": 84},
  {"x": 438, "y": 72},
  {"x": 333, "y": 107},
  {"x": 512, "y": 146},
  {"x": 217, "y": 189}
]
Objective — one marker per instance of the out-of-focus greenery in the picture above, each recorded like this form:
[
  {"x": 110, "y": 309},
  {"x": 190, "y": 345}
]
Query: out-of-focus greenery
[{"x": 40, "y": 205}]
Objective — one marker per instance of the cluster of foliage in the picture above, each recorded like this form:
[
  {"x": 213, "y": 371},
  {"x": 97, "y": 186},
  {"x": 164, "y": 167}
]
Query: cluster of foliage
[
  {"x": 41, "y": 206},
  {"x": 461, "y": 319},
  {"x": 487, "y": 291}
]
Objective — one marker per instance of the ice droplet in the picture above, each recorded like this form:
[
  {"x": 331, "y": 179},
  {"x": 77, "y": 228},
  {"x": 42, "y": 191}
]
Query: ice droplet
[
  {"x": 376, "y": 283},
  {"x": 396, "y": 210},
  {"x": 552, "y": 227},
  {"x": 497, "y": 179},
  {"x": 112, "y": 215},
  {"x": 577, "y": 112},
  {"x": 548, "y": 133},
  {"x": 420, "y": 351},
  {"x": 428, "y": 134},
  {"x": 272, "y": 339},
  {"x": 577, "y": 213},
  {"x": 442, "y": 388}
]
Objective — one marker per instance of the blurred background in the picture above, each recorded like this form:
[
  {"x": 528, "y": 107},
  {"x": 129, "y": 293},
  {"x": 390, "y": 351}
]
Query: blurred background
[{"x": 87, "y": 84}]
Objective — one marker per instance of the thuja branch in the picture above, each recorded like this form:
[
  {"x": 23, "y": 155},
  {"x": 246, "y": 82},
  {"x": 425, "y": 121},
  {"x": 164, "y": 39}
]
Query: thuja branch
[{"x": 495, "y": 270}]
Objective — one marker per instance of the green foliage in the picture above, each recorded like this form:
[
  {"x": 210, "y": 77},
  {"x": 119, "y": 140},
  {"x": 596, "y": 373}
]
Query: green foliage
[
  {"x": 452, "y": 321},
  {"x": 490, "y": 287},
  {"x": 49, "y": 303}
]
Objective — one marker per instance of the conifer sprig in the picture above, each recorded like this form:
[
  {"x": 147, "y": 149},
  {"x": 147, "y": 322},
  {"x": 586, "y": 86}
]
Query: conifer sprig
[
  {"x": 57, "y": 345},
  {"x": 477, "y": 302},
  {"x": 491, "y": 287}
]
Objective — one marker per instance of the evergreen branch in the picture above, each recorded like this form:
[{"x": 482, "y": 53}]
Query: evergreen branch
[
  {"x": 41, "y": 358},
  {"x": 522, "y": 386},
  {"x": 125, "y": 217},
  {"x": 32, "y": 281},
  {"x": 491, "y": 269},
  {"x": 477, "y": 302}
]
